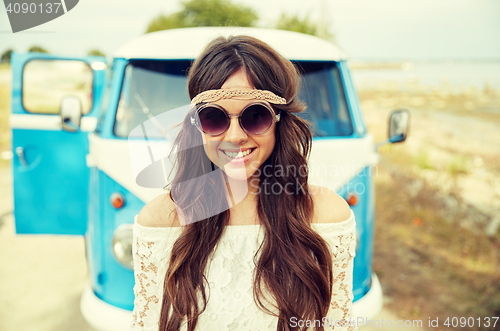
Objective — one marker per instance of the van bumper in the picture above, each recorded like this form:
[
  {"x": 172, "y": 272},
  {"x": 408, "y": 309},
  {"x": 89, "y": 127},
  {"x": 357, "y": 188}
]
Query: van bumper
[
  {"x": 101, "y": 315},
  {"x": 370, "y": 304}
]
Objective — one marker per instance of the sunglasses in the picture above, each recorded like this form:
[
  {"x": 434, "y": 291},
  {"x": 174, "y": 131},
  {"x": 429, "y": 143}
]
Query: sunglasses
[{"x": 254, "y": 118}]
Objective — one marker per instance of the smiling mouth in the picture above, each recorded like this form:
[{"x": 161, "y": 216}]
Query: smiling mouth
[{"x": 238, "y": 155}]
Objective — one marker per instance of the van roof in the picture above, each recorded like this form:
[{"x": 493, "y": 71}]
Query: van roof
[{"x": 187, "y": 43}]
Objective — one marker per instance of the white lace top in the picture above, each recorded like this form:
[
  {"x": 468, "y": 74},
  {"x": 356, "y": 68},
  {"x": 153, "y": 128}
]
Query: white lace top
[{"x": 230, "y": 304}]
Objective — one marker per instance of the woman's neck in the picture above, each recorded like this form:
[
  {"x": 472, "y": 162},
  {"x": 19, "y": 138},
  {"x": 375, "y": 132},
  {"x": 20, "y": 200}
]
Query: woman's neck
[{"x": 243, "y": 196}]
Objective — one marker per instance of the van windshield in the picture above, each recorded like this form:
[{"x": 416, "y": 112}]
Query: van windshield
[{"x": 152, "y": 87}]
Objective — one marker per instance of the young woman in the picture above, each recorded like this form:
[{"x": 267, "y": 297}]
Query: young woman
[{"x": 242, "y": 241}]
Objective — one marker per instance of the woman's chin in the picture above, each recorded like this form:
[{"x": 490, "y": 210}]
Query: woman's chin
[
  {"x": 239, "y": 171},
  {"x": 236, "y": 173}
]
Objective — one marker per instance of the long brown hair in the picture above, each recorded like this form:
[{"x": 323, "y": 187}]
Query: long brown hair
[{"x": 294, "y": 264}]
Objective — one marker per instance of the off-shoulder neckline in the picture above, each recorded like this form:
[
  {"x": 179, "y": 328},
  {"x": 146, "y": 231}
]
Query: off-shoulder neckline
[{"x": 246, "y": 228}]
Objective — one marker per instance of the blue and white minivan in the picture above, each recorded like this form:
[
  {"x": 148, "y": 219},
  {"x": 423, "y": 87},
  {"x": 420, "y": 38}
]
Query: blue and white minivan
[{"x": 71, "y": 120}]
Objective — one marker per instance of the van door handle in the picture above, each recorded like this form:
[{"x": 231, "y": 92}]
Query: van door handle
[{"x": 20, "y": 155}]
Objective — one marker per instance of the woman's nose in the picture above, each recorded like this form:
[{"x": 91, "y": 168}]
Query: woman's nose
[{"x": 235, "y": 133}]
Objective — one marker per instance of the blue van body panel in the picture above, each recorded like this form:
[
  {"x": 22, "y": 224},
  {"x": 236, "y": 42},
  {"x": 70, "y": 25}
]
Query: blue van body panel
[
  {"x": 362, "y": 186},
  {"x": 54, "y": 184},
  {"x": 112, "y": 282},
  {"x": 94, "y": 249},
  {"x": 51, "y": 193}
]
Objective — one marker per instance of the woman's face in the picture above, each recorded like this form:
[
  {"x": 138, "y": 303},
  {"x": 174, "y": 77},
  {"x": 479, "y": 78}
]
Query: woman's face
[{"x": 235, "y": 139}]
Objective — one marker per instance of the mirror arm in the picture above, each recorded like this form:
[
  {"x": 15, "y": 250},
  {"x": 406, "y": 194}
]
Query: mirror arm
[
  {"x": 381, "y": 143},
  {"x": 68, "y": 123},
  {"x": 395, "y": 139}
]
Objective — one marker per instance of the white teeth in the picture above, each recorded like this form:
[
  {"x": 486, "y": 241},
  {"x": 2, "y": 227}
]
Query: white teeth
[{"x": 239, "y": 154}]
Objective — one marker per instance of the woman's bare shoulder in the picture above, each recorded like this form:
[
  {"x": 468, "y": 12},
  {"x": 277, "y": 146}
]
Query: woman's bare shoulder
[
  {"x": 159, "y": 213},
  {"x": 329, "y": 207}
]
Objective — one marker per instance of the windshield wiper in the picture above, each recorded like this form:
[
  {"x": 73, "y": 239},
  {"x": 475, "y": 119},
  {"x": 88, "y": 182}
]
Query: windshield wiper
[{"x": 153, "y": 119}]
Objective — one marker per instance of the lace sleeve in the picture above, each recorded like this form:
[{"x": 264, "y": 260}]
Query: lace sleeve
[
  {"x": 342, "y": 240},
  {"x": 151, "y": 248}
]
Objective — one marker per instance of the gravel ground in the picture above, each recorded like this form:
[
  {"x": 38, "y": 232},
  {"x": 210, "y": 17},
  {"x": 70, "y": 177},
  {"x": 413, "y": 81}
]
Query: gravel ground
[{"x": 42, "y": 276}]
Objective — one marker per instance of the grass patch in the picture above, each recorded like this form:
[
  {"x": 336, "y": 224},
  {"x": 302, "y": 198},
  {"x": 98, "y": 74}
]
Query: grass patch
[
  {"x": 422, "y": 160},
  {"x": 399, "y": 154},
  {"x": 458, "y": 165}
]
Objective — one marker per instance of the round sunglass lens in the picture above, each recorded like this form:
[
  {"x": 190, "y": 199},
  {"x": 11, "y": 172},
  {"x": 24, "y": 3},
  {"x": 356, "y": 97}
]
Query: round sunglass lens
[
  {"x": 212, "y": 120},
  {"x": 256, "y": 119}
]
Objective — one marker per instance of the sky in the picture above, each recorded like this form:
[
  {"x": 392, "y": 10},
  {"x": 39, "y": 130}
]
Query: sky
[{"x": 364, "y": 29}]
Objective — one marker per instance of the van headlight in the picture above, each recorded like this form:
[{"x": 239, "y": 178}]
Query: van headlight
[{"x": 122, "y": 245}]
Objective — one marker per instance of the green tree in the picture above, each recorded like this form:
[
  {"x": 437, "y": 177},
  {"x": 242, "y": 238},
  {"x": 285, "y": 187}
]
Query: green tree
[
  {"x": 6, "y": 56},
  {"x": 304, "y": 25},
  {"x": 37, "y": 49},
  {"x": 205, "y": 13},
  {"x": 95, "y": 52}
]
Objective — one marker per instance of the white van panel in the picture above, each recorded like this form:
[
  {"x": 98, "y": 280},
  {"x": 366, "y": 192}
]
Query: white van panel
[
  {"x": 112, "y": 157},
  {"x": 47, "y": 122},
  {"x": 334, "y": 162}
]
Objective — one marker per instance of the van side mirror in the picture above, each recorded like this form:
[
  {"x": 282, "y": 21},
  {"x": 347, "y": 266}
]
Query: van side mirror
[
  {"x": 71, "y": 113},
  {"x": 399, "y": 122}
]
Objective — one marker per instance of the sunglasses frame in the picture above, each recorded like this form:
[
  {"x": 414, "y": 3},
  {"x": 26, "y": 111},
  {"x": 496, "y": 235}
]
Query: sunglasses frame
[{"x": 195, "y": 118}]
